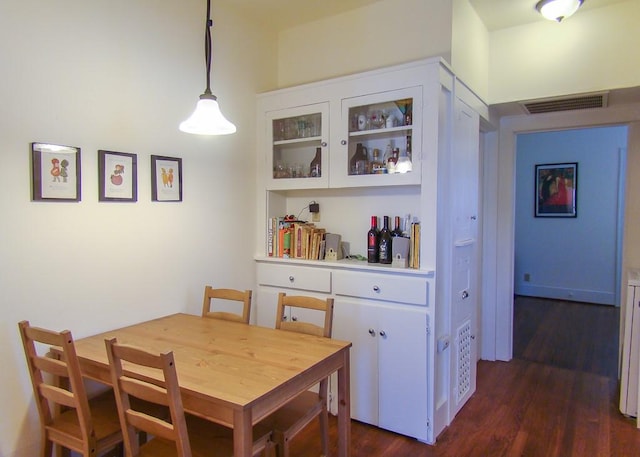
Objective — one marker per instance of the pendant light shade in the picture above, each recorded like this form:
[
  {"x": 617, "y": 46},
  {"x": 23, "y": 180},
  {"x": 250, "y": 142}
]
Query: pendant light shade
[
  {"x": 557, "y": 10},
  {"x": 207, "y": 119}
]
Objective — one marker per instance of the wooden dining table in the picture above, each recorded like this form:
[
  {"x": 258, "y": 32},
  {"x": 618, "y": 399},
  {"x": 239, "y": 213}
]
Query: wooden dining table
[{"x": 232, "y": 373}]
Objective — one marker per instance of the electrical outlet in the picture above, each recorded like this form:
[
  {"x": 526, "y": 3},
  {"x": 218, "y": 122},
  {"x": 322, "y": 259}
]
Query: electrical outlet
[{"x": 527, "y": 277}]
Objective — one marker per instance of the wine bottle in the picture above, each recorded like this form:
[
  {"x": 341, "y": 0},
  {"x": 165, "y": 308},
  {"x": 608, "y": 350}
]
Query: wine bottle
[
  {"x": 372, "y": 241},
  {"x": 397, "y": 231},
  {"x": 315, "y": 169},
  {"x": 384, "y": 245}
]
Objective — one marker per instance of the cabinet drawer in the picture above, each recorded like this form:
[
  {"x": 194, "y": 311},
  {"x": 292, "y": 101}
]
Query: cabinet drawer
[
  {"x": 375, "y": 286},
  {"x": 294, "y": 277}
]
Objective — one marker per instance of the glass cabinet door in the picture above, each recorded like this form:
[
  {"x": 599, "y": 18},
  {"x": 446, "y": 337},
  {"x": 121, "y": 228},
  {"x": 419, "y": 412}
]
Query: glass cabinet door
[
  {"x": 381, "y": 140},
  {"x": 298, "y": 157}
]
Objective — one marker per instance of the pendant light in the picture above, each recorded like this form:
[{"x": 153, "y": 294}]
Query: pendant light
[
  {"x": 207, "y": 119},
  {"x": 557, "y": 10}
]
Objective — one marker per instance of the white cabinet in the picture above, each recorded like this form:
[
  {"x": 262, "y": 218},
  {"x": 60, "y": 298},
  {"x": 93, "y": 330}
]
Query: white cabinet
[
  {"x": 389, "y": 371},
  {"x": 402, "y": 383},
  {"x": 630, "y": 386},
  {"x": 377, "y": 124},
  {"x": 295, "y": 136}
]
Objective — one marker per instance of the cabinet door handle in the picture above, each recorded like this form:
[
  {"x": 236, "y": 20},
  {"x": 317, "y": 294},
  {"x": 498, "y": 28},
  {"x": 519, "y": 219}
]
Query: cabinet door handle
[
  {"x": 383, "y": 334},
  {"x": 372, "y": 332},
  {"x": 343, "y": 142},
  {"x": 323, "y": 144},
  {"x": 465, "y": 294},
  {"x": 376, "y": 289},
  {"x": 291, "y": 279},
  {"x": 294, "y": 318}
]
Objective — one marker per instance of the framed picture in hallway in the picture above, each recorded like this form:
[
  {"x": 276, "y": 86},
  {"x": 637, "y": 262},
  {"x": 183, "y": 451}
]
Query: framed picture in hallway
[
  {"x": 166, "y": 179},
  {"x": 556, "y": 190}
]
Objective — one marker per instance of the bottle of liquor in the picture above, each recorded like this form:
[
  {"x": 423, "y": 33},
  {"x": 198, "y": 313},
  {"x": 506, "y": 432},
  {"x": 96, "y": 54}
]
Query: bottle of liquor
[
  {"x": 384, "y": 245},
  {"x": 372, "y": 241},
  {"x": 359, "y": 161},
  {"x": 315, "y": 169},
  {"x": 397, "y": 231},
  {"x": 376, "y": 164}
]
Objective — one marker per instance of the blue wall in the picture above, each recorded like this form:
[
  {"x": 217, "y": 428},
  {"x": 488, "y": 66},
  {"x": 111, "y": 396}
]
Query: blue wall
[{"x": 570, "y": 258}]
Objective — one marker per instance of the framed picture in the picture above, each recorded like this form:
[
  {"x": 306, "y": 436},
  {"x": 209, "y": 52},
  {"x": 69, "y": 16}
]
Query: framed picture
[
  {"x": 117, "y": 176},
  {"x": 556, "y": 190},
  {"x": 55, "y": 172},
  {"x": 166, "y": 179}
]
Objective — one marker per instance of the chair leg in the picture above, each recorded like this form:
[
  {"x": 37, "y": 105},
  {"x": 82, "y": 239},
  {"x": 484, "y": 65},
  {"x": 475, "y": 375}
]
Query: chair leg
[
  {"x": 47, "y": 448},
  {"x": 324, "y": 431}
]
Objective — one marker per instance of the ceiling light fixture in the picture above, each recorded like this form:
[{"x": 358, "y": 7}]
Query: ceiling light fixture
[
  {"x": 207, "y": 119},
  {"x": 557, "y": 10}
]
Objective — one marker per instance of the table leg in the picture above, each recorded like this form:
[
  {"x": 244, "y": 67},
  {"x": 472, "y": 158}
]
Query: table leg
[
  {"x": 242, "y": 433},
  {"x": 344, "y": 407}
]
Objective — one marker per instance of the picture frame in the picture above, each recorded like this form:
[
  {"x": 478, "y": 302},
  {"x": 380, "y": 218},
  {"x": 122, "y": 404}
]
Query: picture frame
[
  {"x": 556, "y": 190},
  {"x": 117, "y": 176},
  {"x": 166, "y": 179},
  {"x": 55, "y": 173}
]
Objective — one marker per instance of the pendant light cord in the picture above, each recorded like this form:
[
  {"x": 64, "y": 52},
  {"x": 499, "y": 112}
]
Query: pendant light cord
[{"x": 207, "y": 47}]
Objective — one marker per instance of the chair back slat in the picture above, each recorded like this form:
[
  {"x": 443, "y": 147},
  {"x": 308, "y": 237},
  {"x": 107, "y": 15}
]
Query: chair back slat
[
  {"x": 136, "y": 382},
  {"x": 228, "y": 295},
  {"x": 304, "y": 302},
  {"x": 46, "y": 375}
]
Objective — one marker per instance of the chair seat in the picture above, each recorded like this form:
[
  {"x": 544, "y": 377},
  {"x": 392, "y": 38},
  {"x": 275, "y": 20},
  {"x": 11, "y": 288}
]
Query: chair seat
[
  {"x": 105, "y": 420},
  {"x": 207, "y": 440},
  {"x": 298, "y": 411}
]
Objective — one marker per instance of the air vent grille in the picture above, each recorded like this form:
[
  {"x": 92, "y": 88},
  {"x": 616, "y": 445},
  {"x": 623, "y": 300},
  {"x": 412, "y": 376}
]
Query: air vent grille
[{"x": 566, "y": 103}]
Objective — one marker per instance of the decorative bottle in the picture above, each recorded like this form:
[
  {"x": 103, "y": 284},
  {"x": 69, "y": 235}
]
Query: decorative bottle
[
  {"x": 315, "y": 169},
  {"x": 372, "y": 241},
  {"x": 384, "y": 245},
  {"x": 397, "y": 231}
]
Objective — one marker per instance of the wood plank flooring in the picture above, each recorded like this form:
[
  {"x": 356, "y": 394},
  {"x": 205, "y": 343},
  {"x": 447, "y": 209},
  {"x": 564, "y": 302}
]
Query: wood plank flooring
[{"x": 558, "y": 397}]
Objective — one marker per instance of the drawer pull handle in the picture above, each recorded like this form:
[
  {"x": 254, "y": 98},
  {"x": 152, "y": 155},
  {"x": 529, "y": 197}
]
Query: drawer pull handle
[
  {"x": 376, "y": 289},
  {"x": 465, "y": 294},
  {"x": 291, "y": 279},
  {"x": 294, "y": 318},
  {"x": 372, "y": 332},
  {"x": 383, "y": 334},
  {"x": 343, "y": 142},
  {"x": 323, "y": 144}
]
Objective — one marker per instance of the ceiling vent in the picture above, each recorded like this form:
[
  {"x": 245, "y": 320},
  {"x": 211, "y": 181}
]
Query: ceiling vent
[{"x": 552, "y": 105}]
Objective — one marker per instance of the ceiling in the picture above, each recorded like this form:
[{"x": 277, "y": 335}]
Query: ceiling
[{"x": 496, "y": 14}]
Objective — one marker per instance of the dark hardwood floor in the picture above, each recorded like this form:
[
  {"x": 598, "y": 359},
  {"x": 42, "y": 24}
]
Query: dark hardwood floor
[{"x": 558, "y": 397}]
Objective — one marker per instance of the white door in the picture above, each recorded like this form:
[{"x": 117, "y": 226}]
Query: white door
[
  {"x": 402, "y": 352},
  {"x": 464, "y": 261}
]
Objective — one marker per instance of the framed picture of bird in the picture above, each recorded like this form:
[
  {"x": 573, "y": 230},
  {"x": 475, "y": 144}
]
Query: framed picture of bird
[
  {"x": 166, "y": 179},
  {"x": 117, "y": 176},
  {"x": 55, "y": 173}
]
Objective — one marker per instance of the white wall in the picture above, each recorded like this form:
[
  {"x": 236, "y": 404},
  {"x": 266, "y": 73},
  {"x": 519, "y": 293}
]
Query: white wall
[
  {"x": 470, "y": 48},
  {"x": 385, "y": 33},
  {"x": 593, "y": 50},
  {"x": 570, "y": 258},
  {"x": 119, "y": 75}
]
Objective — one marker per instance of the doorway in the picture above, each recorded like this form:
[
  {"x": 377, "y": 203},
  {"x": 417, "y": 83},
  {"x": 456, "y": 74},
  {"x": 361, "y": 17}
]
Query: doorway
[
  {"x": 499, "y": 214},
  {"x": 572, "y": 252}
]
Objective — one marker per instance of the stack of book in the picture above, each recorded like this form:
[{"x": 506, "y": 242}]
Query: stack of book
[
  {"x": 414, "y": 246},
  {"x": 295, "y": 239}
]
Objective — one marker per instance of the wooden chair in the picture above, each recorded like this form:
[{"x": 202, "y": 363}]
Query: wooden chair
[
  {"x": 68, "y": 418},
  {"x": 299, "y": 412},
  {"x": 230, "y": 295},
  {"x": 183, "y": 435}
]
